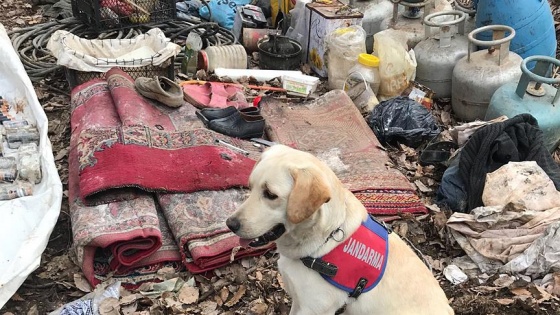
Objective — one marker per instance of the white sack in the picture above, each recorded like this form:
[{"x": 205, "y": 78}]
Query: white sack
[
  {"x": 510, "y": 236},
  {"x": 100, "y": 55},
  {"x": 523, "y": 183},
  {"x": 25, "y": 223}
]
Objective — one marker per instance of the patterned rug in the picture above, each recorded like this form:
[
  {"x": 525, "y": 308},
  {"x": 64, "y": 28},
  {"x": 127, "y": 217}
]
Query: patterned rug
[
  {"x": 198, "y": 222},
  {"x": 145, "y": 150},
  {"x": 118, "y": 149},
  {"x": 332, "y": 128},
  {"x": 126, "y": 239}
]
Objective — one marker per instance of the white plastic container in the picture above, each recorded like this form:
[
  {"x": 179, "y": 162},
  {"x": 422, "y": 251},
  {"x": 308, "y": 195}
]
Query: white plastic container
[
  {"x": 344, "y": 46},
  {"x": 367, "y": 69},
  {"x": 301, "y": 85}
]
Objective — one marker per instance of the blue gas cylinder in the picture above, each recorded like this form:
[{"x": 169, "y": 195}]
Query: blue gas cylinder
[
  {"x": 531, "y": 19},
  {"x": 532, "y": 94}
]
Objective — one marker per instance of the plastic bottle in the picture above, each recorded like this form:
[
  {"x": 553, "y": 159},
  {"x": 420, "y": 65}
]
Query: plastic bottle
[
  {"x": 12, "y": 191},
  {"x": 367, "y": 69}
]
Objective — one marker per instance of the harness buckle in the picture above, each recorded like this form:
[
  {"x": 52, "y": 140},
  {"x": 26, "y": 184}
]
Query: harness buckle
[
  {"x": 383, "y": 224},
  {"x": 359, "y": 288}
]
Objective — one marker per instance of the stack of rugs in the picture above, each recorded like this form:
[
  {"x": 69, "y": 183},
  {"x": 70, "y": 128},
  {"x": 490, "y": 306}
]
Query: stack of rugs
[{"x": 150, "y": 186}]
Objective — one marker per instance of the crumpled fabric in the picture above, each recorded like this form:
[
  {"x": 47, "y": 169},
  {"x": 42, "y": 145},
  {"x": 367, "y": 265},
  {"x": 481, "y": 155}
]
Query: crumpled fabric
[
  {"x": 462, "y": 133},
  {"x": 451, "y": 192},
  {"x": 59, "y": 9},
  {"x": 519, "y": 236},
  {"x": 492, "y": 146}
]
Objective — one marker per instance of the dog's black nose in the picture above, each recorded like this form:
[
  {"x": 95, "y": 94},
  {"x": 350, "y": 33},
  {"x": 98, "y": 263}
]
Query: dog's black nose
[{"x": 233, "y": 224}]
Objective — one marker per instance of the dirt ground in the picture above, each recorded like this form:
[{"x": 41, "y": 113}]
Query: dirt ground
[{"x": 252, "y": 286}]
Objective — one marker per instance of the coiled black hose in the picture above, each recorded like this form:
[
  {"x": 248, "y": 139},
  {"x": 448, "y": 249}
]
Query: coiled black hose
[{"x": 30, "y": 42}]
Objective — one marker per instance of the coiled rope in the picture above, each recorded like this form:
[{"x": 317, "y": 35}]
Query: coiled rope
[{"x": 31, "y": 42}]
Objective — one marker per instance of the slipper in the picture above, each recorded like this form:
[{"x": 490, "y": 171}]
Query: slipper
[
  {"x": 215, "y": 95},
  {"x": 438, "y": 152}
]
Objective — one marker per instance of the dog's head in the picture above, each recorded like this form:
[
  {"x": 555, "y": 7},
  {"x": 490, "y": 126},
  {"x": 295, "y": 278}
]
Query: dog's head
[{"x": 287, "y": 187}]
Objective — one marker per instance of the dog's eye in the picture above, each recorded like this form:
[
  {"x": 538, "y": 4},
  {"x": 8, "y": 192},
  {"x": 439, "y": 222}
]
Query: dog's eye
[{"x": 269, "y": 195}]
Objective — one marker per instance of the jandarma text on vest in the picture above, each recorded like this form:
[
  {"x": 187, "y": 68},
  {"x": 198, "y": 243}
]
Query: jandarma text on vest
[{"x": 364, "y": 253}]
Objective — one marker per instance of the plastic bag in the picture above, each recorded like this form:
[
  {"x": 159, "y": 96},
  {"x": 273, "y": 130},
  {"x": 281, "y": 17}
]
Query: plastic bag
[
  {"x": 223, "y": 11},
  {"x": 299, "y": 23},
  {"x": 403, "y": 120},
  {"x": 397, "y": 67},
  {"x": 343, "y": 47},
  {"x": 89, "y": 304}
]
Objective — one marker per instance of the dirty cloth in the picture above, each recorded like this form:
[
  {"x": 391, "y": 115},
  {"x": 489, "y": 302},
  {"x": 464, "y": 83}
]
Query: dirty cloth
[
  {"x": 100, "y": 55},
  {"x": 142, "y": 147},
  {"x": 198, "y": 221},
  {"x": 451, "y": 192},
  {"x": 462, "y": 133},
  {"x": 104, "y": 236},
  {"x": 332, "y": 128},
  {"x": 60, "y": 9},
  {"x": 516, "y": 139},
  {"x": 513, "y": 232}
]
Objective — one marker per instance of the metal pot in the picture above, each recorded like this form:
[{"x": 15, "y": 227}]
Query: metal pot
[
  {"x": 437, "y": 55},
  {"x": 279, "y": 52},
  {"x": 479, "y": 74}
]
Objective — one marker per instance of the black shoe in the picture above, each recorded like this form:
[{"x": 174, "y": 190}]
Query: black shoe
[
  {"x": 239, "y": 125},
  {"x": 437, "y": 153},
  {"x": 208, "y": 114}
]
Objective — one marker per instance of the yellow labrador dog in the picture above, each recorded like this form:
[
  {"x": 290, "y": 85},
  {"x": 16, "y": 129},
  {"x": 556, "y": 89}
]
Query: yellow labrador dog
[{"x": 297, "y": 200}]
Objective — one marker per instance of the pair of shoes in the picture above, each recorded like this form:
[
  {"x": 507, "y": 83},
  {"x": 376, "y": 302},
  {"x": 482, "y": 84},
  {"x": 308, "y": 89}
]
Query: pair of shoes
[
  {"x": 243, "y": 123},
  {"x": 209, "y": 114},
  {"x": 160, "y": 89}
]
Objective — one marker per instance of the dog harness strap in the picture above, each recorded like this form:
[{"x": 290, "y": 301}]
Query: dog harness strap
[
  {"x": 320, "y": 266},
  {"x": 359, "y": 288},
  {"x": 360, "y": 260}
]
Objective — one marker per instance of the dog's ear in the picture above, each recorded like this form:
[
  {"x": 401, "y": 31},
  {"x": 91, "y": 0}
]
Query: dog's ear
[{"x": 308, "y": 194}]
